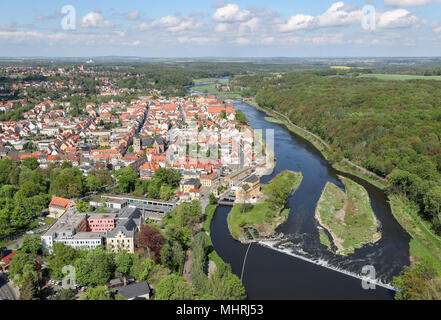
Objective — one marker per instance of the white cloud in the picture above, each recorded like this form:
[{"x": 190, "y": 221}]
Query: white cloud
[
  {"x": 197, "y": 40},
  {"x": 410, "y": 3},
  {"x": 166, "y": 22},
  {"x": 173, "y": 24},
  {"x": 436, "y": 26},
  {"x": 134, "y": 15},
  {"x": 231, "y": 12},
  {"x": 143, "y": 26},
  {"x": 297, "y": 22},
  {"x": 338, "y": 14},
  {"x": 242, "y": 41},
  {"x": 252, "y": 25},
  {"x": 52, "y": 38},
  {"x": 337, "y": 38},
  {"x": 399, "y": 18},
  {"x": 95, "y": 20},
  {"x": 267, "y": 40},
  {"x": 222, "y": 27}
]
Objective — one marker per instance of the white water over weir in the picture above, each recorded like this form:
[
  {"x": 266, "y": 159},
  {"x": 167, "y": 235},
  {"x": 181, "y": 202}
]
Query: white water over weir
[{"x": 323, "y": 263}]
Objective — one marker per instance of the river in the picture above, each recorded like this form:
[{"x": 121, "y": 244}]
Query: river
[{"x": 299, "y": 266}]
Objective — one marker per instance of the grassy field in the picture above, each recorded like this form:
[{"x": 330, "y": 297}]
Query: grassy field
[
  {"x": 257, "y": 217},
  {"x": 419, "y": 251},
  {"x": 205, "y": 80},
  {"x": 423, "y": 242},
  {"x": 262, "y": 217},
  {"x": 349, "y": 217},
  {"x": 399, "y": 77},
  {"x": 211, "y": 89},
  {"x": 209, "y": 214},
  {"x": 324, "y": 239}
]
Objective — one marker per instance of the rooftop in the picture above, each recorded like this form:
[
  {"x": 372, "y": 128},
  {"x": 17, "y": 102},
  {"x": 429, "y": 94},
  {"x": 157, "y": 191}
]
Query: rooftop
[
  {"x": 59, "y": 202},
  {"x": 134, "y": 290}
]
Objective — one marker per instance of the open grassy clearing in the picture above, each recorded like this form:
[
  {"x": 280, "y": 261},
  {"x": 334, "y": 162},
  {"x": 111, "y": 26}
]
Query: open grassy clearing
[
  {"x": 348, "y": 217},
  {"x": 423, "y": 242},
  {"x": 205, "y": 80}
]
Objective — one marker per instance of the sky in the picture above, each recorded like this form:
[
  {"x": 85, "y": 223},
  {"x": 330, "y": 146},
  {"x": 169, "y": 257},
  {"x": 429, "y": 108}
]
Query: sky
[{"x": 204, "y": 28}]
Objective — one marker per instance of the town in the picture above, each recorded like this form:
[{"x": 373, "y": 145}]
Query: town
[{"x": 117, "y": 167}]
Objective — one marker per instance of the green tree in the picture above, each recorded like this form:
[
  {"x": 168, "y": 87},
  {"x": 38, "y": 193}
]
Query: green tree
[
  {"x": 67, "y": 183},
  {"x": 241, "y": 118},
  {"x": 172, "y": 256},
  {"x": 412, "y": 281},
  {"x": 65, "y": 295},
  {"x": 61, "y": 256},
  {"x": 174, "y": 287},
  {"x": 126, "y": 178},
  {"x": 97, "y": 293},
  {"x": 21, "y": 265},
  {"x": 29, "y": 189},
  {"x": 95, "y": 268},
  {"x": 141, "y": 268},
  {"x": 213, "y": 200},
  {"x": 123, "y": 262},
  {"x": 432, "y": 201},
  {"x": 181, "y": 235},
  {"x": 93, "y": 183},
  {"x": 28, "y": 289},
  {"x": 83, "y": 206},
  {"x": 31, "y": 163},
  {"x": 31, "y": 244}
]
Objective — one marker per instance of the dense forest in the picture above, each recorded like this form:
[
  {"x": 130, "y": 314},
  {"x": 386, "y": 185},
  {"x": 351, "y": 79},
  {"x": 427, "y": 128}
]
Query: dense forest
[{"x": 391, "y": 128}]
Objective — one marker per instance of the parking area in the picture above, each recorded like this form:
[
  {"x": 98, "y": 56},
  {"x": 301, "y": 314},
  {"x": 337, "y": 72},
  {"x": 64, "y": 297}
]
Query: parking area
[{"x": 54, "y": 286}]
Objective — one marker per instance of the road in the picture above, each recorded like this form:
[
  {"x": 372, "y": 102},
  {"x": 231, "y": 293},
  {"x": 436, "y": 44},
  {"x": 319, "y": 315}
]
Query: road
[{"x": 6, "y": 291}]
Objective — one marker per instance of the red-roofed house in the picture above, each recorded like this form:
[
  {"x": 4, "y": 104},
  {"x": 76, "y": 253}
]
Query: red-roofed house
[
  {"x": 5, "y": 262},
  {"x": 147, "y": 170},
  {"x": 207, "y": 180},
  {"x": 59, "y": 206}
]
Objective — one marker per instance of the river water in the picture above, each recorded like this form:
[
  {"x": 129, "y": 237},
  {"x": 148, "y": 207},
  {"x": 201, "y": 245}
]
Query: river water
[{"x": 298, "y": 266}]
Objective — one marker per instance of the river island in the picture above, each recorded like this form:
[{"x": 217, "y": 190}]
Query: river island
[
  {"x": 347, "y": 216},
  {"x": 253, "y": 222}
]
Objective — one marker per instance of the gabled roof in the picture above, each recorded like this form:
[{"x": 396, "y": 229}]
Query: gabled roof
[
  {"x": 134, "y": 290},
  {"x": 58, "y": 202}
]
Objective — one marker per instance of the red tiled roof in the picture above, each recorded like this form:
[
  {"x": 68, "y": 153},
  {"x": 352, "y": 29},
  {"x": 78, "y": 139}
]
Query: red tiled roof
[
  {"x": 59, "y": 202},
  {"x": 8, "y": 258}
]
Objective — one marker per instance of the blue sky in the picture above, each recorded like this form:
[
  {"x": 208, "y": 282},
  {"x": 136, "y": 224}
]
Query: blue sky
[{"x": 258, "y": 28}]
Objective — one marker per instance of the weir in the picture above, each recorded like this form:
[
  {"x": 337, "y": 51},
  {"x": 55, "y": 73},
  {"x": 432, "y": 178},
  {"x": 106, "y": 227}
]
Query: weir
[{"x": 323, "y": 263}]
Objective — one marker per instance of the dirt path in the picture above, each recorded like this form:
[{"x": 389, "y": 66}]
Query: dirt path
[
  {"x": 187, "y": 265},
  {"x": 211, "y": 268}
]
